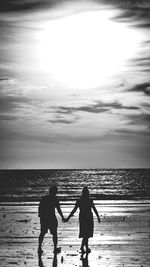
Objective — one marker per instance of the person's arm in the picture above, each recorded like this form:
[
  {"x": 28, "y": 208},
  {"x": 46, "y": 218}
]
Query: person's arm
[
  {"x": 39, "y": 209},
  {"x": 59, "y": 210},
  {"x": 73, "y": 211},
  {"x": 96, "y": 212}
]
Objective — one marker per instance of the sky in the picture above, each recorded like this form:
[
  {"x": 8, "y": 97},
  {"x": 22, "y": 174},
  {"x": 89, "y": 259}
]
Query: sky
[{"x": 74, "y": 84}]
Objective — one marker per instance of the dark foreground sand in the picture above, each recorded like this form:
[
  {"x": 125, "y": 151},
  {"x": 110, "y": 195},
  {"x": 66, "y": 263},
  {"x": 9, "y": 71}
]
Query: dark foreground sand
[{"x": 122, "y": 238}]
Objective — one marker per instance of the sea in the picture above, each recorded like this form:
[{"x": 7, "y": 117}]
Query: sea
[{"x": 103, "y": 184}]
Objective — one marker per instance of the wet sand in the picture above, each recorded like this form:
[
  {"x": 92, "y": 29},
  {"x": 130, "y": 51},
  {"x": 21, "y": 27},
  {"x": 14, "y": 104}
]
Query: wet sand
[{"x": 121, "y": 239}]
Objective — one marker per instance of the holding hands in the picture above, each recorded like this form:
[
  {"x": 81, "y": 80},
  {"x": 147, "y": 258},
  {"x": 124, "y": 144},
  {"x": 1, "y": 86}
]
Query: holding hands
[
  {"x": 99, "y": 220},
  {"x": 64, "y": 220}
]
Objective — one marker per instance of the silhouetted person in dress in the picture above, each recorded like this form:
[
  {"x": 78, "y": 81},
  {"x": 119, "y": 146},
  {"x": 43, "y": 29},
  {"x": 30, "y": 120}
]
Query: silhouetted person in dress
[
  {"x": 86, "y": 223},
  {"x": 48, "y": 218}
]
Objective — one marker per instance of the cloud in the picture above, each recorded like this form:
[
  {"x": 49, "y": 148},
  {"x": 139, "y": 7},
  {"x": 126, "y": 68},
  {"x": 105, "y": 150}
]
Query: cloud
[
  {"x": 4, "y": 79},
  {"x": 130, "y": 9},
  {"x": 139, "y": 119},
  {"x": 143, "y": 62},
  {"x": 27, "y": 5},
  {"x": 64, "y": 121},
  {"x": 136, "y": 10},
  {"x": 12, "y": 5},
  {"x": 117, "y": 105},
  {"x": 132, "y": 132},
  {"x": 7, "y": 117},
  {"x": 90, "y": 108},
  {"x": 11, "y": 102},
  {"x": 143, "y": 87},
  {"x": 98, "y": 107},
  {"x": 15, "y": 96},
  {"x": 71, "y": 114}
]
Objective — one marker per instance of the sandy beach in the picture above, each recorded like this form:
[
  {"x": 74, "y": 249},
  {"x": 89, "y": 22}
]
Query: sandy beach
[{"x": 121, "y": 239}]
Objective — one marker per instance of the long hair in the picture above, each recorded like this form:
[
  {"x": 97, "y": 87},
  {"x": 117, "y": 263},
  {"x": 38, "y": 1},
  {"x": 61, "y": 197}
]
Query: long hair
[{"x": 85, "y": 192}]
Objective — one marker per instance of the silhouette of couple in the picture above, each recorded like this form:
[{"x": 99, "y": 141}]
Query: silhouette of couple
[{"x": 49, "y": 221}]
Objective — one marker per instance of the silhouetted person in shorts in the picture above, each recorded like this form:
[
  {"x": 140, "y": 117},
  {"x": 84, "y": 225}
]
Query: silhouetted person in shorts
[
  {"x": 86, "y": 223},
  {"x": 48, "y": 218}
]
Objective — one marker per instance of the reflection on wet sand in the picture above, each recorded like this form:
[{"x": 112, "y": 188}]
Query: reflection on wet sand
[
  {"x": 85, "y": 262},
  {"x": 54, "y": 263},
  {"x": 84, "y": 259}
]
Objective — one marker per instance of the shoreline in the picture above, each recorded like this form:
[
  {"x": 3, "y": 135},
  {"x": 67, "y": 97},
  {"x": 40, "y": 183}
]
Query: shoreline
[
  {"x": 73, "y": 199},
  {"x": 71, "y": 202}
]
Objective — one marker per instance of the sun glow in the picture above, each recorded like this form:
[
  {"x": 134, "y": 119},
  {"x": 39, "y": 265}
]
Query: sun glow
[{"x": 84, "y": 50}]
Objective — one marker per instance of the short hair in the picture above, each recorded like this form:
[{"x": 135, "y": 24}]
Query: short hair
[{"x": 53, "y": 189}]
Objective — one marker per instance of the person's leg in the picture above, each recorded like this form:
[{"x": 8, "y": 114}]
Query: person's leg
[
  {"x": 42, "y": 233},
  {"x": 41, "y": 237},
  {"x": 82, "y": 245},
  {"x": 87, "y": 245},
  {"x": 55, "y": 240}
]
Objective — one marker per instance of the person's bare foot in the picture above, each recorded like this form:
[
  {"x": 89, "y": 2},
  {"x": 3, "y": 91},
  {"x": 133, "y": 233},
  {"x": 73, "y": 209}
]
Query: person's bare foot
[
  {"x": 57, "y": 250},
  {"x": 82, "y": 250},
  {"x": 88, "y": 250}
]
